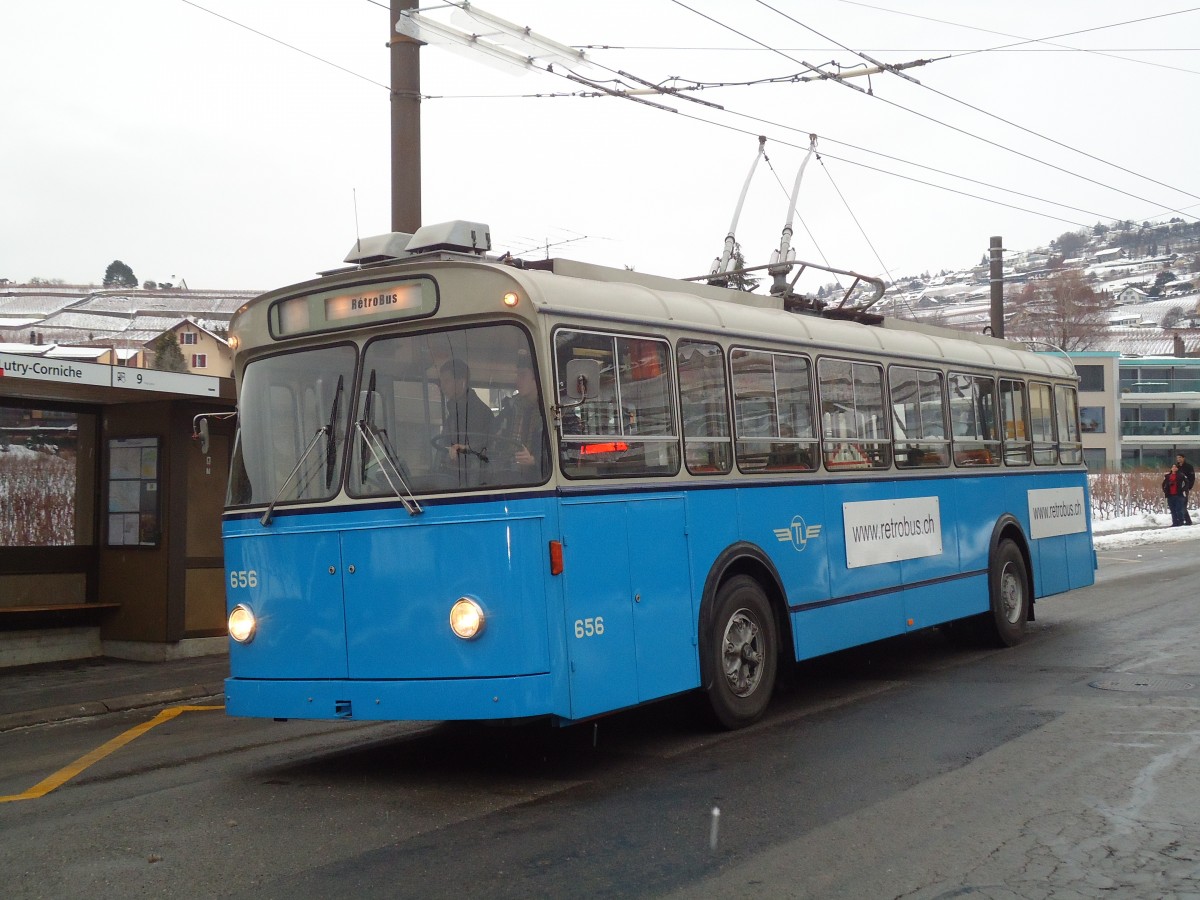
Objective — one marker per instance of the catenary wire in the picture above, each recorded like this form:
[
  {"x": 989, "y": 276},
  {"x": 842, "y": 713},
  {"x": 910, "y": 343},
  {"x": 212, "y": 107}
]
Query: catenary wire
[
  {"x": 923, "y": 115},
  {"x": 999, "y": 118},
  {"x": 276, "y": 40},
  {"x": 1096, "y": 50}
]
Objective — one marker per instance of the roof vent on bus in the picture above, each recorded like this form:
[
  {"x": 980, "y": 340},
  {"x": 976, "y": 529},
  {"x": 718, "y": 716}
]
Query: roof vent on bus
[
  {"x": 378, "y": 248},
  {"x": 458, "y": 236}
]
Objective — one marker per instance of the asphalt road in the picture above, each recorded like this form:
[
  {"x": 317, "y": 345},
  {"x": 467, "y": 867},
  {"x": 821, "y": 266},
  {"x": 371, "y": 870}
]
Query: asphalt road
[{"x": 1066, "y": 766}]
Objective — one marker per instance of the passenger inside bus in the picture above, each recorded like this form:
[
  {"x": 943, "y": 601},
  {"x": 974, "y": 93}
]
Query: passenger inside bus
[
  {"x": 521, "y": 433},
  {"x": 467, "y": 424}
]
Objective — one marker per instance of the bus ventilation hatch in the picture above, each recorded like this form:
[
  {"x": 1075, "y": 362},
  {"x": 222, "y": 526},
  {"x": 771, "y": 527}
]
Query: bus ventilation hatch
[{"x": 341, "y": 709}]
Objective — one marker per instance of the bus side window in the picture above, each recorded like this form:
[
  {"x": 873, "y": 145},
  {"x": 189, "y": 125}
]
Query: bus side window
[
  {"x": 1066, "y": 403},
  {"x": 627, "y": 427},
  {"x": 773, "y": 402},
  {"x": 973, "y": 413},
  {"x": 919, "y": 418},
  {"x": 1016, "y": 431},
  {"x": 854, "y": 429},
  {"x": 1041, "y": 424},
  {"x": 704, "y": 400}
]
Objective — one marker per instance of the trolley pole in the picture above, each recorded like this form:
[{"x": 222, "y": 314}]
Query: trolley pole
[
  {"x": 406, "y": 124},
  {"x": 996, "y": 273}
]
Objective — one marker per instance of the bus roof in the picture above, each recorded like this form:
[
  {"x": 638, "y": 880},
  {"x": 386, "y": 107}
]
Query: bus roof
[{"x": 616, "y": 294}]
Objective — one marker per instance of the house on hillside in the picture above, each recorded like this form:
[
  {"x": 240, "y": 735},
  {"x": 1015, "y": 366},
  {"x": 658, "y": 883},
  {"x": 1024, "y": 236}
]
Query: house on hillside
[
  {"x": 1112, "y": 254},
  {"x": 1132, "y": 294},
  {"x": 205, "y": 352}
]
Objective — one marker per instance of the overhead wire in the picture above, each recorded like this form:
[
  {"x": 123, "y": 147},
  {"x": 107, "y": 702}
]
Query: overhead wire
[
  {"x": 733, "y": 128},
  {"x": 977, "y": 137},
  {"x": 999, "y": 118},
  {"x": 1099, "y": 51},
  {"x": 276, "y": 40}
]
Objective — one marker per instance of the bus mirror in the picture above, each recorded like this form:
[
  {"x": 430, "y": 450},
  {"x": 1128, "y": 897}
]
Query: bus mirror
[
  {"x": 583, "y": 379},
  {"x": 202, "y": 429}
]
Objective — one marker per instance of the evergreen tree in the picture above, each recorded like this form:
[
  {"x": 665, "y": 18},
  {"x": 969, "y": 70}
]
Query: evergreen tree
[
  {"x": 740, "y": 281},
  {"x": 119, "y": 275},
  {"x": 167, "y": 355}
]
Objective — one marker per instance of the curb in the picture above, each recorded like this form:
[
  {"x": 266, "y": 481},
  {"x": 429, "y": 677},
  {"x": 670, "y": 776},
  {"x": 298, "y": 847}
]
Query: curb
[{"x": 92, "y": 708}]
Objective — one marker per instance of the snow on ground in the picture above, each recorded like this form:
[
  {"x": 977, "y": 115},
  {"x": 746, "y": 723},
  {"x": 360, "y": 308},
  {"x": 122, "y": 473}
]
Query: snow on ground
[{"x": 1137, "y": 531}]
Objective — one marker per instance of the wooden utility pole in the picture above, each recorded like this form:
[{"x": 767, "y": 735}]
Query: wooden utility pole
[
  {"x": 996, "y": 274},
  {"x": 406, "y": 124}
]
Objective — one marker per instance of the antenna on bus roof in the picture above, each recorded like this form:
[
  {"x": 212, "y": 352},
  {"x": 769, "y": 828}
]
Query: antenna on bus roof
[
  {"x": 782, "y": 258},
  {"x": 721, "y": 263},
  {"x": 357, "y": 236}
]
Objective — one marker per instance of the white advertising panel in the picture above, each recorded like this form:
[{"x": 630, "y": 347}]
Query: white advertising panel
[
  {"x": 1056, "y": 511},
  {"x": 883, "y": 531}
]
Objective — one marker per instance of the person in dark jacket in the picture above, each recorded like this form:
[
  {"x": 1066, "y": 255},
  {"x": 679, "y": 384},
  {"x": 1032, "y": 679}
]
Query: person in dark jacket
[
  {"x": 1189, "y": 480},
  {"x": 1172, "y": 486}
]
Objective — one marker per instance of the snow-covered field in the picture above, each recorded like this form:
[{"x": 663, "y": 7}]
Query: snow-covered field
[
  {"x": 1135, "y": 531},
  {"x": 37, "y": 499}
]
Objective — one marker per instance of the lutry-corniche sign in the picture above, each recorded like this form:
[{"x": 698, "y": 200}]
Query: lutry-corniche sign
[{"x": 66, "y": 372}]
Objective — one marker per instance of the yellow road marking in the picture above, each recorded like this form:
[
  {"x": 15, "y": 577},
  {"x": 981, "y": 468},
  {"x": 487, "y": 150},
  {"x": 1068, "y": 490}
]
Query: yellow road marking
[{"x": 65, "y": 774}]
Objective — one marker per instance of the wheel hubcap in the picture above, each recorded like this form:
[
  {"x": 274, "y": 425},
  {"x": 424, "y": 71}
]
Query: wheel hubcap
[
  {"x": 742, "y": 653},
  {"x": 1012, "y": 594}
]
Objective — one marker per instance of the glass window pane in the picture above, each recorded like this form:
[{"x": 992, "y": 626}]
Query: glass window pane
[
  {"x": 1017, "y": 447},
  {"x": 704, "y": 399},
  {"x": 449, "y": 410},
  {"x": 47, "y": 477},
  {"x": 619, "y": 405},
  {"x": 773, "y": 398},
  {"x": 973, "y": 418},
  {"x": 854, "y": 429},
  {"x": 919, "y": 418},
  {"x": 293, "y": 417},
  {"x": 1041, "y": 422},
  {"x": 1066, "y": 402}
]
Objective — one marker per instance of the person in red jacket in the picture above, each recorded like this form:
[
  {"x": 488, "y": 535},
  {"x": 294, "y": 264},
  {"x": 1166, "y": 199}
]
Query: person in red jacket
[
  {"x": 1172, "y": 486},
  {"x": 1188, "y": 471}
]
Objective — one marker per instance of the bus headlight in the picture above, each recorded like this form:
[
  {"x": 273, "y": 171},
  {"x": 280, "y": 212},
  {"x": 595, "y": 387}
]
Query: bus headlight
[
  {"x": 466, "y": 618},
  {"x": 242, "y": 624}
]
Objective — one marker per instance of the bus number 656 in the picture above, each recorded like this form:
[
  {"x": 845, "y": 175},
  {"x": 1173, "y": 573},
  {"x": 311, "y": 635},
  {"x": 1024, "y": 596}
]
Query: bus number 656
[
  {"x": 243, "y": 578},
  {"x": 589, "y": 627}
]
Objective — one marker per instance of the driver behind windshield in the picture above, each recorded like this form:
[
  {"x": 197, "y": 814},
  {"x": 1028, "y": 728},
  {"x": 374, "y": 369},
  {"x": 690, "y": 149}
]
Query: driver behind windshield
[{"x": 467, "y": 423}]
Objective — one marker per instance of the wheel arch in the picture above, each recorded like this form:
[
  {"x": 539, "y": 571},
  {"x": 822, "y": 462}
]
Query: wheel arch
[
  {"x": 743, "y": 558},
  {"x": 1008, "y": 528}
]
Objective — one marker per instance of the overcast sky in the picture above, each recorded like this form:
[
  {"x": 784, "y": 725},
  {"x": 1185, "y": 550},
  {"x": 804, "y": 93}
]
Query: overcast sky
[{"x": 193, "y": 148}]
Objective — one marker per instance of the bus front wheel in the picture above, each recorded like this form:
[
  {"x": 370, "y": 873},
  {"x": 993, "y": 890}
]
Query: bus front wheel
[
  {"x": 742, "y": 651},
  {"x": 1008, "y": 585}
]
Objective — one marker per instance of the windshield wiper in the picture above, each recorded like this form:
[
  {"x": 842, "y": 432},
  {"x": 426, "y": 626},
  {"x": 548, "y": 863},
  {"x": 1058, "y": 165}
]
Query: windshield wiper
[
  {"x": 376, "y": 440},
  {"x": 330, "y": 452},
  {"x": 331, "y": 447},
  {"x": 324, "y": 429}
]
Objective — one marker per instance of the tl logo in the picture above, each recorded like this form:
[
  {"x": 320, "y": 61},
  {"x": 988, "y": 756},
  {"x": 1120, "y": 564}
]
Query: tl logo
[{"x": 798, "y": 533}]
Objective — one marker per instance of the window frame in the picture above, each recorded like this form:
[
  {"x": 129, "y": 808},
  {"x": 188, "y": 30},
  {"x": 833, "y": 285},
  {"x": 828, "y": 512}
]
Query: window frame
[
  {"x": 779, "y": 453},
  {"x": 854, "y": 448},
  {"x": 938, "y": 447}
]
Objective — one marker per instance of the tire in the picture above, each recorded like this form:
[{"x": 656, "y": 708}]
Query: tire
[
  {"x": 741, "y": 653},
  {"x": 1008, "y": 587}
]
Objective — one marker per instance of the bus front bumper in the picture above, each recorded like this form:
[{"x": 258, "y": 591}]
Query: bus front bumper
[{"x": 415, "y": 700}]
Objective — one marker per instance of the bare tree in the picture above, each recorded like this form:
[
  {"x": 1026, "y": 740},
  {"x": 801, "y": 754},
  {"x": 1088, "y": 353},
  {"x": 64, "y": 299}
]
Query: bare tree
[{"x": 1062, "y": 310}]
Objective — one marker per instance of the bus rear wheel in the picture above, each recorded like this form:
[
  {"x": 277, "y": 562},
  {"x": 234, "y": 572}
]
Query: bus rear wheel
[
  {"x": 1008, "y": 586},
  {"x": 742, "y": 653}
]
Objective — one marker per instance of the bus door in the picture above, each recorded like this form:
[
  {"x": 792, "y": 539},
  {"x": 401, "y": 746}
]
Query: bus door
[{"x": 628, "y": 602}]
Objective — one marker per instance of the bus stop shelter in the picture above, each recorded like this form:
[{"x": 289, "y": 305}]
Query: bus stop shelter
[{"x": 110, "y": 512}]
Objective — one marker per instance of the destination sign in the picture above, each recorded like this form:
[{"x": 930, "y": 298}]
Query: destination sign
[
  {"x": 352, "y": 305},
  {"x": 364, "y": 305}
]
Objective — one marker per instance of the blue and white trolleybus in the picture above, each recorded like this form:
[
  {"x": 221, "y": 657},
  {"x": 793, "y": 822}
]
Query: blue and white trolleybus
[{"x": 468, "y": 489}]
